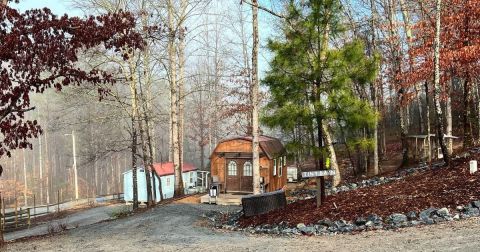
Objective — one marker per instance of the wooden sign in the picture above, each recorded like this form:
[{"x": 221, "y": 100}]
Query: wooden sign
[{"x": 321, "y": 173}]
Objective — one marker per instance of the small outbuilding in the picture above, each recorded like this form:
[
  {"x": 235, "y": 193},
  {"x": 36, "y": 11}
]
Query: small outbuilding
[
  {"x": 231, "y": 164},
  {"x": 166, "y": 174}
]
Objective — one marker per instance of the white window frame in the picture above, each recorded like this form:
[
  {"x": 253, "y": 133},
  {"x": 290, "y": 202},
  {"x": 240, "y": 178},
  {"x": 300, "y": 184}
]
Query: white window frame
[
  {"x": 280, "y": 167},
  {"x": 250, "y": 171},
  {"x": 236, "y": 168},
  {"x": 274, "y": 167}
]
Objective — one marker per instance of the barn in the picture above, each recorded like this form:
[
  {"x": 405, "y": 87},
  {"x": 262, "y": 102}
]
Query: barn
[
  {"x": 166, "y": 173},
  {"x": 231, "y": 164}
]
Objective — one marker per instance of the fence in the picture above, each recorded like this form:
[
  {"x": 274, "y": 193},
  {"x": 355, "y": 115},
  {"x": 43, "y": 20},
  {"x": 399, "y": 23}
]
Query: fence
[
  {"x": 263, "y": 203},
  {"x": 16, "y": 218}
]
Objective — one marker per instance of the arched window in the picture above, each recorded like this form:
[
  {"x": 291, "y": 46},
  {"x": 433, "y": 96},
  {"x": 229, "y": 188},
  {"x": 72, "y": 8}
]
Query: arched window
[
  {"x": 232, "y": 168},
  {"x": 247, "y": 169}
]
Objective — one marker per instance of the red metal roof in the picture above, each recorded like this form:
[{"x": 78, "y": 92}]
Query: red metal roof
[{"x": 166, "y": 168}]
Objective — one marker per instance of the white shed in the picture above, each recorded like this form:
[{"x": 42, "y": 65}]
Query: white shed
[{"x": 165, "y": 172}]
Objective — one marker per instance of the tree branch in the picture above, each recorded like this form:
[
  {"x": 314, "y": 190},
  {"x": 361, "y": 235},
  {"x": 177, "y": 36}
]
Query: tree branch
[{"x": 263, "y": 8}]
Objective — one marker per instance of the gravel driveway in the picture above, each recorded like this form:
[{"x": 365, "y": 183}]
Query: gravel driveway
[{"x": 178, "y": 227}]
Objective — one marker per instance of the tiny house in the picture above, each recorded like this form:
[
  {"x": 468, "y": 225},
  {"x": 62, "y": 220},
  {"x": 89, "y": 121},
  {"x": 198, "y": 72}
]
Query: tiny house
[
  {"x": 164, "y": 172},
  {"x": 231, "y": 164}
]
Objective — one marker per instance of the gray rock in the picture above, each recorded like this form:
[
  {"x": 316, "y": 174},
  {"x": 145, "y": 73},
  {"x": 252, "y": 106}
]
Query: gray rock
[
  {"x": 460, "y": 208},
  {"x": 415, "y": 223},
  {"x": 456, "y": 217},
  {"x": 427, "y": 214},
  {"x": 340, "y": 223},
  {"x": 397, "y": 219},
  {"x": 346, "y": 229},
  {"x": 375, "y": 219},
  {"x": 301, "y": 225},
  {"x": 443, "y": 212},
  {"x": 353, "y": 186},
  {"x": 369, "y": 224},
  {"x": 471, "y": 211},
  {"x": 326, "y": 222},
  {"x": 476, "y": 203},
  {"x": 412, "y": 215},
  {"x": 308, "y": 230},
  {"x": 360, "y": 221}
]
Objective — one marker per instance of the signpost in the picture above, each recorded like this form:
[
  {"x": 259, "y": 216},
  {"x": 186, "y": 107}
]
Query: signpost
[{"x": 318, "y": 175}]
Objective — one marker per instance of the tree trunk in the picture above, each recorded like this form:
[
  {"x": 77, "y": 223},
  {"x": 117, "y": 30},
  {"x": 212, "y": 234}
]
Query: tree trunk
[
  {"x": 254, "y": 101},
  {"x": 134, "y": 99},
  {"x": 331, "y": 151},
  {"x": 25, "y": 179},
  {"x": 448, "y": 115},
  {"x": 467, "y": 132},
  {"x": 181, "y": 85},
  {"x": 374, "y": 92},
  {"x": 438, "y": 108},
  {"x": 178, "y": 191}
]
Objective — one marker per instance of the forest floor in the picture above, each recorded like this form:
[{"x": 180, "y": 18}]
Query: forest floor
[
  {"x": 442, "y": 187},
  {"x": 181, "y": 227}
]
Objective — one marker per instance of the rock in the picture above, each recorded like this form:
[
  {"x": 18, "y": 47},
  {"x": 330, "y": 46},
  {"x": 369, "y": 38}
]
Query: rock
[
  {"x": 459, "y": 208},
  {"x": 426, "y": 214},
  {"x": 382, "y": 179},
  {"x": 397, "y": 219},
  {"x": 360, "y": 221},
  {"x": 340, "y": 223},
  {"x": 456, "y": 217},
  {"x": 346, "y": 229},
  {"x": 369, "y": 224},
  {"x": 301, "y": 225},
  {"x": 326, "y": 222},
  {"x": 308, "y": 230},
  {"x": 353, "y": 186},
  {"x": 412, "y": 215},
  {"x": 476, "y": 203},
  {"x": 415, "y": 223},
  {"x": 375, "y": 219},
  {"x": 471, "y": 211},
  {"x": 443, "y": 212}
]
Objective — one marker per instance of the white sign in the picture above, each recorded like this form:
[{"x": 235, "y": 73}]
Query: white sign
[{"x": 322, "y": 173}]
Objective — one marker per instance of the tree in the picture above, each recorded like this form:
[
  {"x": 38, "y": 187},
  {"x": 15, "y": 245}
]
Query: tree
[
  {"x": 313, "y": 85},
  {"x": 46, "y": 57}
]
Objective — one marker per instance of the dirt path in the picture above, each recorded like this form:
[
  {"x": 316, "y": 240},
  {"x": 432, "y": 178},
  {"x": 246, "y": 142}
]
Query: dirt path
[
  {"x": 78, "y": 219},
  {"x": 177, "y": 227}
]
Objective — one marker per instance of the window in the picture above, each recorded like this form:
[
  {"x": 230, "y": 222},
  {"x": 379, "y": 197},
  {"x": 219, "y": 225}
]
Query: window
[
  {"x": 285, "y": 161},
  {"x": 274, "y": 167},
  {"x": 280, "y": 170},
  {"x": 191, "y": 180},
  {"x": 168, "y": 181},
  {"x": 247, "y": 169},
  {"x": 232, "y": 168}
]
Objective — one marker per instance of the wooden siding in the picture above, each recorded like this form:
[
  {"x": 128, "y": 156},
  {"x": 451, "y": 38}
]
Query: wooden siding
[{"x": 243, "y": 148}]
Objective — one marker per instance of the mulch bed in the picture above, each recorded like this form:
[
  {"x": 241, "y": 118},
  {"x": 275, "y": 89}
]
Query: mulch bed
[{"x": 443, "y": 187}]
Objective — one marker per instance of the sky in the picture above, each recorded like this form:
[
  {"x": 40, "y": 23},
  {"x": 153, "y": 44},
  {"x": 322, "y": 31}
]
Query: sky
[{"x": 58, "y": 7}]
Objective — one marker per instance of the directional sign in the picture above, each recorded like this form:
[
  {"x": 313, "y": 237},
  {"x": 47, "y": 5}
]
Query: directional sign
[{"x": 322, "y": 173}]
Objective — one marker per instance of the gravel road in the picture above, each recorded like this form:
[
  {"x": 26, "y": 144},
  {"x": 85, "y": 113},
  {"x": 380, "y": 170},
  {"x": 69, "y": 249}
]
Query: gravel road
[{"x": 178, "y": 227}]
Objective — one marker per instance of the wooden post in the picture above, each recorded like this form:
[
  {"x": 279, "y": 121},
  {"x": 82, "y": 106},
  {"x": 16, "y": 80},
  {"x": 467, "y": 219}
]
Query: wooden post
[
  {"x": 16, "y": 213},
  {"x": 28, "y": 213},
  {"x": 58, "y": 201},
  {"x": 319, "y": 192},
  {"x": 3, "y": 210},
  {"x": 34, "y": 206},
  {"x": 2, "y": 221}
]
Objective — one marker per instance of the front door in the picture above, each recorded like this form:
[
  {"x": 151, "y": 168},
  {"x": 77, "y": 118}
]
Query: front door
[{"x": 239, "y": 175}]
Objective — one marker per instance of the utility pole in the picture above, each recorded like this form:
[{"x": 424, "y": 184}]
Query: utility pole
[{"x": 74, "y": 163}]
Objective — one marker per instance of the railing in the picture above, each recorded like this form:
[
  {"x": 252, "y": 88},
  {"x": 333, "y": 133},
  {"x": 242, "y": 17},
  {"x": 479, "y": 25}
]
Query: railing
[
  {"x": 263, "y": 203},
  {"x": 17, "y": 219}
]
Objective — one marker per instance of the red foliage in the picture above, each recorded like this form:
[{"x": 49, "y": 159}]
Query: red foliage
[
  {"x": 460, "y": 43},
  {"x": 38, "y": 50},
  {"x": 445, "y": 187}
]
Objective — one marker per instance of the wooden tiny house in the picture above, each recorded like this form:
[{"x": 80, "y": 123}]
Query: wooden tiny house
[{"x": 231, "y": 163}]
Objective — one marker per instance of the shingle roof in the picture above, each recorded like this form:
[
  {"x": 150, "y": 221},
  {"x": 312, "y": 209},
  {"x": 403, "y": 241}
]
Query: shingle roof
[
  {"x": 271, "y": 146},
  {"x": 166, "y": 168}
]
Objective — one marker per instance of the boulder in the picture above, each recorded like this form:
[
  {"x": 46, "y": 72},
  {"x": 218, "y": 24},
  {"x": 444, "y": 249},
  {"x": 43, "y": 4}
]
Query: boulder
[
  {"x": 427, "y": 214},
  {"x": 360, "y": 221},
  {"x": 397, "y": 219},
  {"x": 476, "y": 203},
  {"x": 375, "y": 219},
  {"x": 443, "y": 212},
  {"x": 412, "y": 215},
  {"x": 308, "y": 230},
  {"x": 301, "y": 225}
]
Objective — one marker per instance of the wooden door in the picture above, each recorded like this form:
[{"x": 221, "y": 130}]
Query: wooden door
[
  {"x": 247, "y": 176},
  {"x": 233, "y": 175}
]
